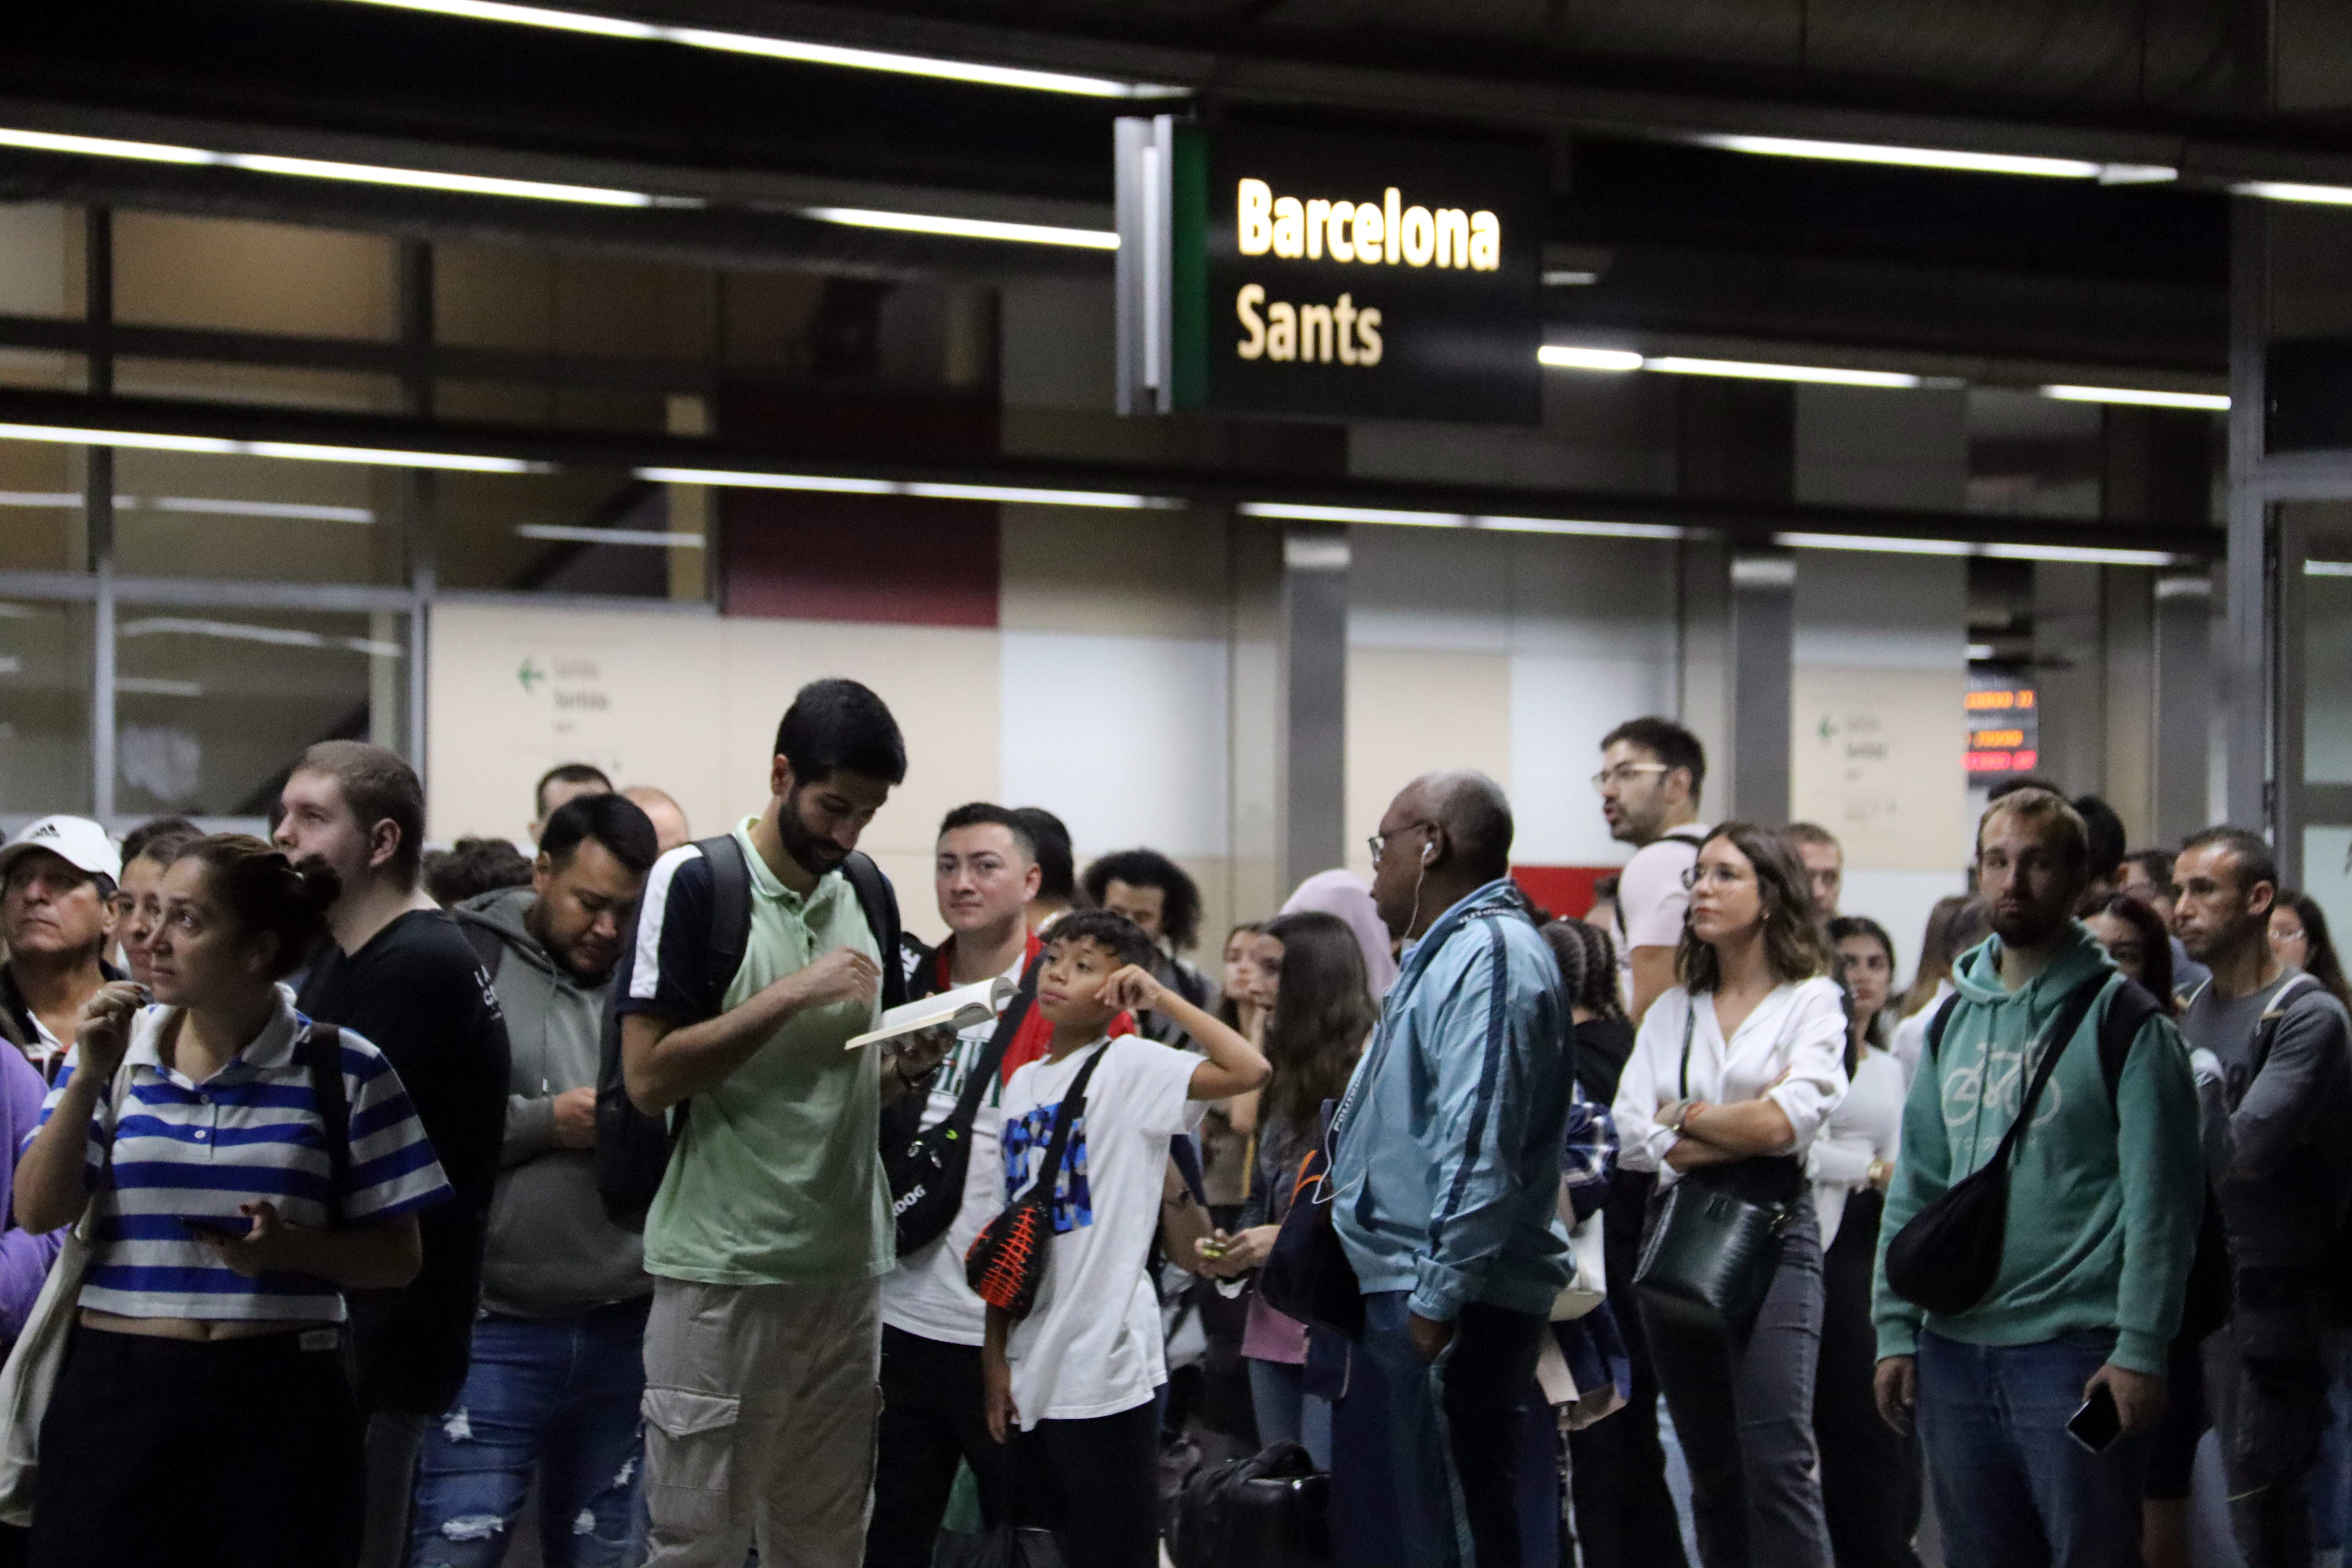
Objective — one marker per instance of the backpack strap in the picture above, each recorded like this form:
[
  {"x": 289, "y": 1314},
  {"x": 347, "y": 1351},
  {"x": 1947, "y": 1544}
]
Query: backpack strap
[
  {"x": 323, "y": 1053},
  {"x": 2064, "y": 1027},
  {"x": 490, "y": 947},
  {"x": 730, "y": 913},
  {"x": 881, "y": 909},
  {"x": 2129, "y": 1007},
  {"x": 2267, "y": 1027},
  {"x": 1937, "y": 1024}
]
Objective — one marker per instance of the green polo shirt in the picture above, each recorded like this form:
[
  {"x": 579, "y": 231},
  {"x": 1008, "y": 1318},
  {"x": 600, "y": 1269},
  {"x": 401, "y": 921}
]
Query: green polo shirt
[{"x": 777, "y": 1178}]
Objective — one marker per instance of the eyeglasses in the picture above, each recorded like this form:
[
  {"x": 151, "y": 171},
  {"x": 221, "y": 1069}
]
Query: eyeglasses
[
  {"x": 1622, "y": 775},
  {"x": 1716, "y": 875},
  {"x": 1379, "y": 841}
]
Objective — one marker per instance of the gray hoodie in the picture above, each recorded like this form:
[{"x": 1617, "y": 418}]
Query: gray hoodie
[{"x": 552, "y": 1250}]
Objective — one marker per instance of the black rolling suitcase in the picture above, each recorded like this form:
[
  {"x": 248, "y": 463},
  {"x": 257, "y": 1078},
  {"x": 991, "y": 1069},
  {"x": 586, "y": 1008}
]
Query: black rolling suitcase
[{"x": 1270, "y": 1511}]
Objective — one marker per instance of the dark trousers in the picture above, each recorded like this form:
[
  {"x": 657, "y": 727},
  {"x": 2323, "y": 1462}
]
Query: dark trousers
[
  {"x": 171, "y": 1454},
  {"x": 932, "y": 1415},
  {"x": 1870, "y": 1473},
  {"x": 2267, "y": 1373},
  {"x": 1096, "y": 1484},
  {"x": 1626, "y": 1516},
  {"x": 1455, "y": 1429}
]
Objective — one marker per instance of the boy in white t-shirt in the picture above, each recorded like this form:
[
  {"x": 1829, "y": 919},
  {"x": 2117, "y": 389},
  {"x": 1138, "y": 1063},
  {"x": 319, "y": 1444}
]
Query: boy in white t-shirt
[{"x": 1077, "y": 1377}]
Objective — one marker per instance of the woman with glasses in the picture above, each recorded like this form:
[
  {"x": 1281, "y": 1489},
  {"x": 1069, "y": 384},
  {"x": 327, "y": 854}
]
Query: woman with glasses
[
  {"x": 1732, "y": 1075},
  {"x": 1870, "y": 1474}
]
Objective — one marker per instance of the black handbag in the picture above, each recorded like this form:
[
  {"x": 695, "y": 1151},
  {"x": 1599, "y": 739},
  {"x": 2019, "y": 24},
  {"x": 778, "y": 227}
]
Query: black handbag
[
  {"x": 1008, "y": 1258},
  {"x": 927, "y": 1170},
  {"x": 1271, "y": 1509},
  {"x": 1307, "y": 1274},
  {"x": 1947, "y": 1256},
  {"x": 1714, "y": 1240}
]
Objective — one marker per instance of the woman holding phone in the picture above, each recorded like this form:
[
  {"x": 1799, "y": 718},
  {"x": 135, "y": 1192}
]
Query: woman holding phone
[{"x": 207, "y": 1360}]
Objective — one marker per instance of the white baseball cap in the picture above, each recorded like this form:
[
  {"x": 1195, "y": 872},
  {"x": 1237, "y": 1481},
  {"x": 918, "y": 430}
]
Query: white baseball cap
[{"x": 77, "y": 840}]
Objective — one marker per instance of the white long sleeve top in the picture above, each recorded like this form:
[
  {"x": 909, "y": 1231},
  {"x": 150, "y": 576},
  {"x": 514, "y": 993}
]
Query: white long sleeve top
[
  {"x": 1791, "y": 1050},
  {"x": 1866, "y": 1125}
]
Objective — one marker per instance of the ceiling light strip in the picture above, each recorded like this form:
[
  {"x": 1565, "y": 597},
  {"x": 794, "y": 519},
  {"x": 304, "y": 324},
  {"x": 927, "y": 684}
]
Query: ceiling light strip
[
  {"x": 966, "y": 227},
  {"x": 845, "y": 485},
  {"x": 2289, "y": 191},
  {"x": 1679, "y": 365},
  {"x": 648, "y": 538},
  {"x": 795, "y": 49},
  {"x": 2215, "y": 402},
  {"x": 218, "y": 446},
  {"x": 324, "y": 169},
  {"x": 1945, "y": 158},
  {"x": 2102, "y": 555}
]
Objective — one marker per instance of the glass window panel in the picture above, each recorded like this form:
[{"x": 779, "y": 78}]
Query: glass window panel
[
  {"x": 492, "y": 296},
  {"x": 41, "y": 261},
  {"x": 45, "y": 669},
  {"x": 2328, "y": 874},
  {"x": 541, "y": 532},
  {"x": 212, "y": 706},
  {"x": 205, "y": 381},
  {"x": 44, "y": 371},
  {"x": 233, "y": 275},
  {"x": 546, "y": 403},
  {"x": 188, "y": 514},
  {"x": 2326, "y": 655},
  {"x": 41, "y": 517}
]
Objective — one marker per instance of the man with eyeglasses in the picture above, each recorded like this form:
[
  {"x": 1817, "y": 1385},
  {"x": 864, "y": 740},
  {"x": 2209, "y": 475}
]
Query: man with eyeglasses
[
  {"x": 1650, "y": 772},
  {"x": 57, "y": 920}
]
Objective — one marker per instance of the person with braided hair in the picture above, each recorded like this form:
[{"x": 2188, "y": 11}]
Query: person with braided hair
[{"x": 248, "y": 1168}]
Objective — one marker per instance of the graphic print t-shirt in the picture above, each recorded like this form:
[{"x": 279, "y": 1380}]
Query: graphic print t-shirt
[{"x": 1091, "y": 1346}]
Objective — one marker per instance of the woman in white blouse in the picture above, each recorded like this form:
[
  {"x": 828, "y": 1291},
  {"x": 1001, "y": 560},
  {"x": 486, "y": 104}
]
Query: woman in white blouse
[
  {"x": 1731, "y": 1077},
  {"x": 1870, "y": 1474}
]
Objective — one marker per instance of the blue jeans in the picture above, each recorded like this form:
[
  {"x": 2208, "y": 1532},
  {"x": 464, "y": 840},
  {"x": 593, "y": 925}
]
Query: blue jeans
[
  {"x": 2012, "y": 1488},
  {"x": 1285, "y": 1412},
  {"x": 1456, "y": 1430},
  {"x": 558, "y": 1396}
]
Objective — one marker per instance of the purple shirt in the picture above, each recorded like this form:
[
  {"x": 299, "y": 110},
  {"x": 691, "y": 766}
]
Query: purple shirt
[{"x": 25, "y": 1258}]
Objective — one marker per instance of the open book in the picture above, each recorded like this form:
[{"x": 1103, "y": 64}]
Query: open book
[{"x": 958, "y": 1009}]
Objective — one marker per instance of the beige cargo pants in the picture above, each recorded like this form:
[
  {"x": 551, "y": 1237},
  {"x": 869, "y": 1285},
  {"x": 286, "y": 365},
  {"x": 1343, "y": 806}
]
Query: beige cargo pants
[{"x": 759, "y": 1407}]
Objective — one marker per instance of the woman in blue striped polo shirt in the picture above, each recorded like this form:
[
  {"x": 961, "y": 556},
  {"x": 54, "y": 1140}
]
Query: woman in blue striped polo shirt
[{"x": 202, "y": 1414}]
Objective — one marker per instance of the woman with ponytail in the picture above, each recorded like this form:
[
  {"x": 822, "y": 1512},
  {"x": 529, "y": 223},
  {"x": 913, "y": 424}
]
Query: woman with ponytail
[{"x": 245, "y": 1168}]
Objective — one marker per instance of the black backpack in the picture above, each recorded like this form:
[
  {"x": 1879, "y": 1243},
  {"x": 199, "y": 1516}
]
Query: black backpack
[
  {"x": 2207, "y": 1297},
  {"x": 633, "y": 1149}
]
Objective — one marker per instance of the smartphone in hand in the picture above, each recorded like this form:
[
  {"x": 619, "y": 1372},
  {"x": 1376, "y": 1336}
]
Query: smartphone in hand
[{"x": 2097, "y": 1425}]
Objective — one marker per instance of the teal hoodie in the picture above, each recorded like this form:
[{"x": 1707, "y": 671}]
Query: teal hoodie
[{"x": 2103, "y": 1197}]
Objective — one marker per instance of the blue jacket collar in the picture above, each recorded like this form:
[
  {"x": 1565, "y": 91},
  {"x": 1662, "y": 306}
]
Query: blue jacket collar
[{"x": 1502, "y": 892}]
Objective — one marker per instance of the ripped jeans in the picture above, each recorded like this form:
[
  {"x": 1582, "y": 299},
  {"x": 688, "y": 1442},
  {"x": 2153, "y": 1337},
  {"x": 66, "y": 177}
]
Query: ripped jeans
[{"x": 558, "y": 1396}]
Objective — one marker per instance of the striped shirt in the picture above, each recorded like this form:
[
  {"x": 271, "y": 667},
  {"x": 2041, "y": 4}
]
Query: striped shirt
[{"x": 251, "y": 1132}]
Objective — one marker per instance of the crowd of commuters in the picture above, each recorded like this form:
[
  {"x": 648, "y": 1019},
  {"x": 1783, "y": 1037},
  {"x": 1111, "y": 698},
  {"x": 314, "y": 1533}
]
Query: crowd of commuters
[{"x": 489, "y": 1206}]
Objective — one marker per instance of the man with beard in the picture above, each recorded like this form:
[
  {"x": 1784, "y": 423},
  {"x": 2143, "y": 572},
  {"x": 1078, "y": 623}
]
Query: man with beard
[
  {"x": 2106, "y": 1190},
  {"x": 556, "y": 1371},
  {"x": 771, "y": 1230},
  {"x": 1652, "y": 771}
]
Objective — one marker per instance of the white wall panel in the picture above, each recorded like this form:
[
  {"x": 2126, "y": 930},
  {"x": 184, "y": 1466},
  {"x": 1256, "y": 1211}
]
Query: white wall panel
[
  {"x": 1561, "y": 704},
  {"x": 1124, "y": 738}
]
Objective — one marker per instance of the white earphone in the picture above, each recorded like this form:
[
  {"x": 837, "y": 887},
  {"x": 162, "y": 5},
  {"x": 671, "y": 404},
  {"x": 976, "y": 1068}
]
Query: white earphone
[{"x": 1428, "y": 849}]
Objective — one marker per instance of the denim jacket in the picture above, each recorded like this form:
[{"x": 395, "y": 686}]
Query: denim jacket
[{"x": 1448, "y": 1159}]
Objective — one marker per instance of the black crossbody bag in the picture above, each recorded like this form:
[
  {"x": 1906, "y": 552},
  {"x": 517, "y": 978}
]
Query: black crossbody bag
[
  {"x": 1008, "y": 1258},
  {"x": 926, "y": 1172},
  {"x": 1947, "y": 1256}
]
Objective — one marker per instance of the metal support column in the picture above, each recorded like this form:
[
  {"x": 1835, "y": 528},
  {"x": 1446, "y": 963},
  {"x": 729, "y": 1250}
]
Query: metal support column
[
  {"x": 1763, "y": 644},
  {"x": 98, "y": 500},
  {"x": 2245, "y": 688},
  {"x": 417, "y": 486},
  {"x": 1313, "y": 785}
]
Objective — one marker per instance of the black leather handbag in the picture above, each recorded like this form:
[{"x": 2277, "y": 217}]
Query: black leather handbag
[
  {"x": 1307, "y": 1274},
  {"x": 1715, "y": 1238},
  {"x": 1947, "y": 1256}
]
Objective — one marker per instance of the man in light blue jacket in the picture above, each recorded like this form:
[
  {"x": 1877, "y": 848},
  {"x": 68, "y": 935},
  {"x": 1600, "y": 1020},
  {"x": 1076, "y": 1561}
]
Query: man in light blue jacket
[{"x": 1447, "y": 1167}]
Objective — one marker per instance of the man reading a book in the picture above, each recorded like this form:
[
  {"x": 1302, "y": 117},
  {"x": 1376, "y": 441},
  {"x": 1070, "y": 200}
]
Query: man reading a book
[{"x": 772, "y": 1232}]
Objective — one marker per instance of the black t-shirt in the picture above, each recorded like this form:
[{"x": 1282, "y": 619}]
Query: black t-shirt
[{"x": 417, "y": 992}]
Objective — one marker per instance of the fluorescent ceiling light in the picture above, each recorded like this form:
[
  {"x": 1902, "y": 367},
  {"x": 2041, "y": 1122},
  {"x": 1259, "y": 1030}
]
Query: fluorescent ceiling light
[
  {"x": 2287, "y": 191},
  {"x": 1300, "y": 513},
  {"x": 157, "y": 686},
  {"x": 2095, "y": 554},
  {"x": 42, "y": 498},
  {"x": 2217, "y": 401},
  {"x": 845, "y": 486},
  {"x": 243, "y": 631},
  {"x": 1677, "y": 364},
  {"x": 2328, "y": 568},
  {"x": 1978, "y": 651},
  {"x": 1568, "y": 356},
  {"x": 1944, "y": 158},
  {"x": 11, "y": 665},
  {"x": 650, "y": 538},
  {"x": 1570, "y": 277},
  {"x": 790, "y": 49},
  {"x": 322, "y": 169},
  {"x": 966, "y": 227},
  {"x": 1594, "y": 529},
  {"x": 218, "y": 446},
  {"x": 210, "y": 506}
]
